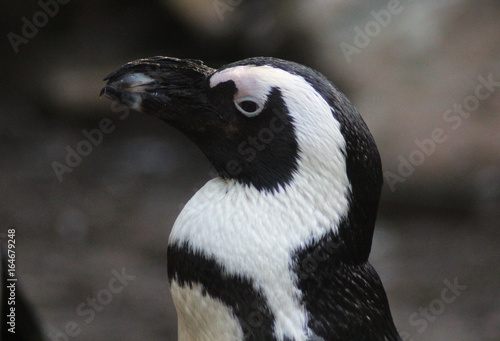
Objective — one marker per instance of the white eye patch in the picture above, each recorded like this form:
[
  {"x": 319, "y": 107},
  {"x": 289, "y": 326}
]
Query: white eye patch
[{"x": 253, "y": 87}]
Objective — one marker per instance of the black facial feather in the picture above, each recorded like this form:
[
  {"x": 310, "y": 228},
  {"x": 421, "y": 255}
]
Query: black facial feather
[{"x": 262, "y": 150}]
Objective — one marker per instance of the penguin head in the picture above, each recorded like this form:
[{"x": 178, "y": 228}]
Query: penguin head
[{"x": 262, "y": 122}]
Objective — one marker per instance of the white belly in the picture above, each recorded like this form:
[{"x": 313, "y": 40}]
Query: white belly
[{"x": 202, "y": 318}]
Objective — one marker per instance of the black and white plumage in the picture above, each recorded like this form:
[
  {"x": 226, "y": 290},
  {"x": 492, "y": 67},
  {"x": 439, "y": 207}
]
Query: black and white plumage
[{"x": 277, "y": 246}]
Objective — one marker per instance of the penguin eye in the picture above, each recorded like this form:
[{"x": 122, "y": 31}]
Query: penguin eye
[{"x": 248, "y": 106}]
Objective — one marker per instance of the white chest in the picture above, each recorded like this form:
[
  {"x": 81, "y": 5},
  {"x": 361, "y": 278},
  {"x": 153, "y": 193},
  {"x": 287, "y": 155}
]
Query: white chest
[{"x": 253, "y": 234}]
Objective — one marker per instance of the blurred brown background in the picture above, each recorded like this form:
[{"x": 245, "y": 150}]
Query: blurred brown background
[{"x": 424, "y": 74}]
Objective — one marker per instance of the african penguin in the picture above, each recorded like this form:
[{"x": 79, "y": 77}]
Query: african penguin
[{"x": 276, "y": 247}]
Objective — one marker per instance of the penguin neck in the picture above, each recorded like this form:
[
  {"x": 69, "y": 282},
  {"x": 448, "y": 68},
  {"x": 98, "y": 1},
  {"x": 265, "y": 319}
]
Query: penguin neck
[{"x": 312, "y": 205}]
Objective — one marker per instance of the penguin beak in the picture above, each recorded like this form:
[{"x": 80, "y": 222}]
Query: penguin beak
[{"x": 170, "y": 88}]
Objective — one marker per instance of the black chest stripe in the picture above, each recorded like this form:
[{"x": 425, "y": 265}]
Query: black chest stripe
[{"x": 237, "y": 292}]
